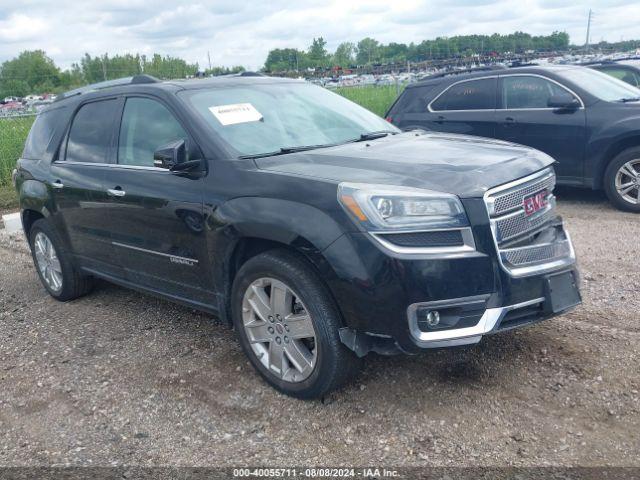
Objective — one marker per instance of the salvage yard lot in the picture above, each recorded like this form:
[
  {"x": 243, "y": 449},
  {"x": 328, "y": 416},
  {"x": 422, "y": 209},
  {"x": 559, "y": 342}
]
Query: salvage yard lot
[{"x": 123, "y": 378}]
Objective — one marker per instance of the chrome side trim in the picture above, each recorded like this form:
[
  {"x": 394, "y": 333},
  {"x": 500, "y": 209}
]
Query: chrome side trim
[
  {"x": 469, "y": 244},
  {"x": 176, "y": 258},
  {"x": 461, "y": 336},
  {"x": 111, "y": 165}
]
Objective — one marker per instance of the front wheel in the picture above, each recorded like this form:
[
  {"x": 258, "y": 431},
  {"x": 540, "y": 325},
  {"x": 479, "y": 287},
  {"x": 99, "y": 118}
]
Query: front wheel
[
  {"x": 288, "y": 326},
  {"x": 622, "y": 180}
]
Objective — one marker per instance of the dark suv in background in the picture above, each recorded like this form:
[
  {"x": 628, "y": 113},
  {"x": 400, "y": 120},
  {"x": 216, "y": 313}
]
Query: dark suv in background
[
  {"x": 587, "y": 121},
  {"x": 626, "y": 70},
  {"x": 316, "y": 228}
]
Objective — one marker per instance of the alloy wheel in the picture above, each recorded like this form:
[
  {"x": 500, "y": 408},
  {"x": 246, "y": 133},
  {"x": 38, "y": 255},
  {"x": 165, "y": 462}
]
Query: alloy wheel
[
  {"x": 279, "y": 329},
  {"x": 627, "y": 181},
  {"x": 48, "y": 262}
]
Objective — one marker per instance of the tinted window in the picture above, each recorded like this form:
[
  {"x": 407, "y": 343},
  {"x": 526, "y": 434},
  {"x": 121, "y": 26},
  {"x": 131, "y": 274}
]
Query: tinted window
[
  {"x": 146, "y": 126},
  {"x": 471, "y": 95},
  {"x": 91, "y": 132},
  {"x": 41, "y": 133},
  {"x": 628, "y": 76},
  {"x": 598, "y": 84},
  {"x": 528, "y": 92}
]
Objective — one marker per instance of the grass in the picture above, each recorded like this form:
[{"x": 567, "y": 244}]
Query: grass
[
  {"x": 13, "y": 133},
  {"x": 8, "y": 198},
  {"x": 378, "y": 99}
]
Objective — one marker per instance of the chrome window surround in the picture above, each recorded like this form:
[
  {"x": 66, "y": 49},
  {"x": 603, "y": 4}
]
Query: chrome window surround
[
  {"x": 567, "y": 259},
  {"x": 469, "y": 244},
  {"x": 459, "y": 336},
  {"x": 504, "y": 109}
]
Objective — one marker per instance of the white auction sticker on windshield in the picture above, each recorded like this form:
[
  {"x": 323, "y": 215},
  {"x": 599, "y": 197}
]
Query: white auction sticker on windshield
[{"x": 236, "y": 113}]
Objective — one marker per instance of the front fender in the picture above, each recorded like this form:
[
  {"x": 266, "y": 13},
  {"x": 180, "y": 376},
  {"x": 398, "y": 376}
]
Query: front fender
[
  {"x": 282, "y": 221},
  {"x": 607, "y": 142}
]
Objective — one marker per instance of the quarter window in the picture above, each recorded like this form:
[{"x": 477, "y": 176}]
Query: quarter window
[
  {"x": 469, "y": 95},
  {"x": 90, "y": 132},
  {"x": 146, "y": 126},
  {"x": 528, "y": 92}
]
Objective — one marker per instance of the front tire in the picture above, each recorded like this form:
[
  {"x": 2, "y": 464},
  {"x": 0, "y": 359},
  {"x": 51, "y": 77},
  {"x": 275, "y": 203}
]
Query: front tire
[
  {"x": 288, "y": 326},
  {"x": 622, "y": 180},
  {"x": 53, "y": 263}
]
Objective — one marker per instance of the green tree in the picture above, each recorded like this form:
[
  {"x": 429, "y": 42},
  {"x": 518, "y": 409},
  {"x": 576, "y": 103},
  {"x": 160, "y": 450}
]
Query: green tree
[
  {"x": 344, "y": 55},
  {"x": 368, "y": 50},
  {"x": 285, "y": 59},
  {"x": 30, "y": 72},
  {"x": 318, "y": 55}
]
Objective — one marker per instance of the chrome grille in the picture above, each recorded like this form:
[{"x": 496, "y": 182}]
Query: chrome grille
[
  {"x": 517, "y": 224},
  {"x": 512, "y": 199},
  {"x": 536, "y": 253},
  {"x": 511, "y": 226}
]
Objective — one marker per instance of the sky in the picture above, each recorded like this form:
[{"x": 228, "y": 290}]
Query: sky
[{"x": 241, "y": 32}]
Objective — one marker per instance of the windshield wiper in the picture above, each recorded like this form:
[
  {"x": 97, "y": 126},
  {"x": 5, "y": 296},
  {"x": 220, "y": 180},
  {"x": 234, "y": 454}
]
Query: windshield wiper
[
  {"x": 374, "y": 135},
  {"x": 630, "y": 99},
  {"x": 285, "y": 150}
]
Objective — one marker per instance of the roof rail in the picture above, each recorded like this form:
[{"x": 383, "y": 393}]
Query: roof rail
[
  {"x": 135, "y": 80},
  {"x": 486, "y": 68},
  {"x": 518, "y": 63}
]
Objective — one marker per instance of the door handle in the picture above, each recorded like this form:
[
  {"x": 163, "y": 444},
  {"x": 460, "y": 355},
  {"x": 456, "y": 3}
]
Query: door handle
[
  {"x": 116, "y": 192},
  {"x": 57, "y": 184},
  {"x": 440, "y": 119},
  {"x": 509, "y": 121}
]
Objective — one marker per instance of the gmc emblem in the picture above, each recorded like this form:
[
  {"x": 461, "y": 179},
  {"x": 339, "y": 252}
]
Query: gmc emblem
[{"x": 535, "y": 202}]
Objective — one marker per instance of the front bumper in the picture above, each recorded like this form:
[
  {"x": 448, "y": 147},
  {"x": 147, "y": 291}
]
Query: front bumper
[{"x": 380, "y": 292}]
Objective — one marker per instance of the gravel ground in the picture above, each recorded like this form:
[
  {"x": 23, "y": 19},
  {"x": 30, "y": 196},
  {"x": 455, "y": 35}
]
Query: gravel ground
[{"x": 122, "y": 378}]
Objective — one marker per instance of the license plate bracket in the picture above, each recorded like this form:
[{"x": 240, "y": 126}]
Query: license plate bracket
[{"x": 562, "y": 292}]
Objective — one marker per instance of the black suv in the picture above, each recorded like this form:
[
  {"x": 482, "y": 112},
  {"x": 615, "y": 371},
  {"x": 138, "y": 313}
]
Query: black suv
[
  {"x": 587, "y": 121},
  {"x": 317, "y": 229}
]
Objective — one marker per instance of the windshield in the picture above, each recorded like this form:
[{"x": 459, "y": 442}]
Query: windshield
[
  {"x": 600, "y": 85},
  {"x": 261, "y": 118}
]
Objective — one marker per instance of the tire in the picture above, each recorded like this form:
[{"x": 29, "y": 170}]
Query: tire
[
  {"x": 615, "y": 177},
  {"x": 72, "y": 284},
  {"x": 333, "y": 364}
]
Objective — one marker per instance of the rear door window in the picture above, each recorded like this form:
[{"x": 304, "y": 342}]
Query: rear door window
[
  {"x": 91, "y": 132},
  {"x": 522, "y": 91},
  {"x": 468, "y": 95},
  {"x": 146, "y": 126}
]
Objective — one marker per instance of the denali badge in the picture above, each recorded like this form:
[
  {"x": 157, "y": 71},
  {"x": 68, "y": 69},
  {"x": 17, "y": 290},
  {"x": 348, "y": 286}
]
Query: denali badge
[{"x": 535, "y": 202}]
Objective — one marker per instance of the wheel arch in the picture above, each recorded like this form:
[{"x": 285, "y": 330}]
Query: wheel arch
[
  {"x": 260, "y": 225},
  {"x": 612, "y": 152}
]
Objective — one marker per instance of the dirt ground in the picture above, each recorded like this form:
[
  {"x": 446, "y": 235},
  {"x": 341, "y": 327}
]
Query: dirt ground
[{"x": 122, "y": 378}]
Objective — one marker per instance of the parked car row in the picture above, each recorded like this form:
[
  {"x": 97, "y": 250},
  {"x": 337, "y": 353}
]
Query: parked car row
[{"x": 589, "y": 122}]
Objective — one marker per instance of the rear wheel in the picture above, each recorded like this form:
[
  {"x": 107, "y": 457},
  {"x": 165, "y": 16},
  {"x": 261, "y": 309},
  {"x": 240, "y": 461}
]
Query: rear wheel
[
  {"x": 622, "y": 180},
  {"x": 53, "y": 263},
  {"x": 288, "y": 325}
]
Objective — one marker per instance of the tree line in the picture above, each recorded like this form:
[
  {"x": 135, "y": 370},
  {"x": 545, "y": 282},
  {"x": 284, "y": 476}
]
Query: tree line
[
  {"x": 35, "y": 72},
  {"x": 369, "y": 51}
]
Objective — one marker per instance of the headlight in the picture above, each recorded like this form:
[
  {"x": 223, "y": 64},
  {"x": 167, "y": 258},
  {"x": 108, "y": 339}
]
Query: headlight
[{"x": 389, "y": 208}]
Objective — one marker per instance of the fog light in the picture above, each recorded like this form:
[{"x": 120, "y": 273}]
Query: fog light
[{"x": 433, "y": 318}]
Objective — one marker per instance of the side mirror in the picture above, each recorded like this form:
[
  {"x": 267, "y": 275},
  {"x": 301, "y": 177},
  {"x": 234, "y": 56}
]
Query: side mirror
[
  {"x": 173, "y": 156},
  {"x": 170, "y": 155},
  {"x": 563, "y": 101}
]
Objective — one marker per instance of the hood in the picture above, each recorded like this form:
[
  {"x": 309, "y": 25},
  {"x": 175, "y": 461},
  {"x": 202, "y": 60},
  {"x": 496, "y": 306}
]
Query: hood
[{"x": 460, "y": 164}]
